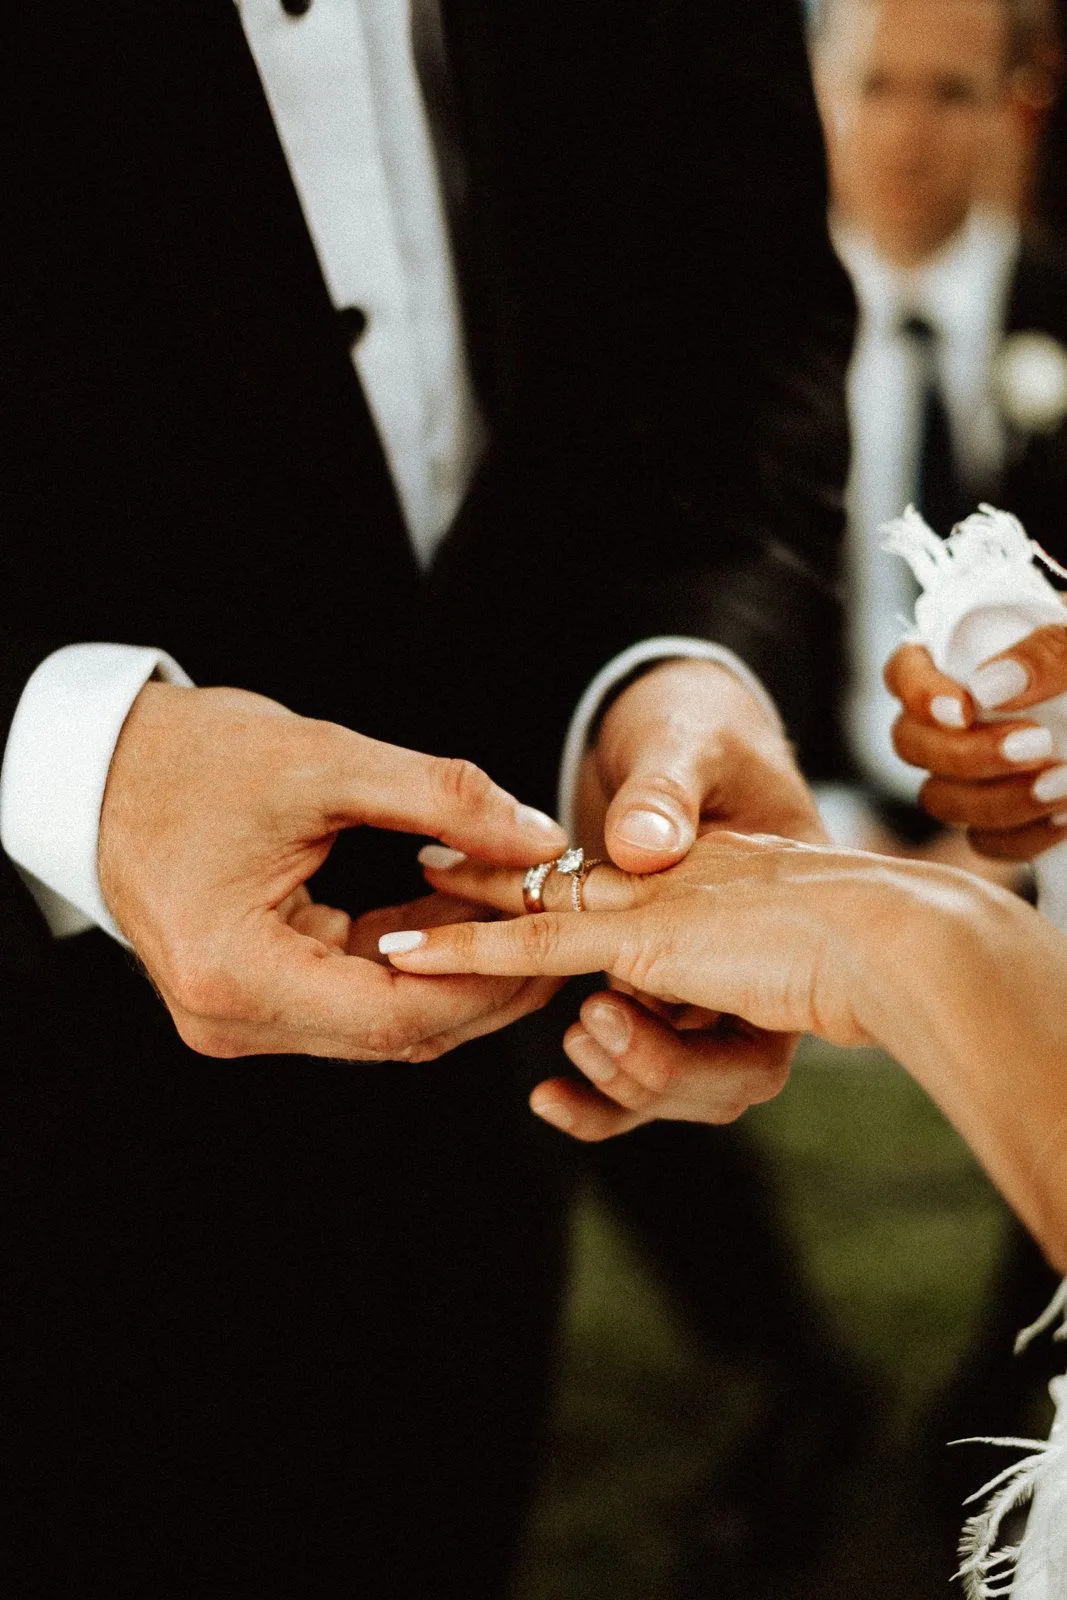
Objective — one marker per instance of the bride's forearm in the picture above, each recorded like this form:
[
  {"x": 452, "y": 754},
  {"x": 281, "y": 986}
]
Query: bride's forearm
[{"x": 970, "y": 995}]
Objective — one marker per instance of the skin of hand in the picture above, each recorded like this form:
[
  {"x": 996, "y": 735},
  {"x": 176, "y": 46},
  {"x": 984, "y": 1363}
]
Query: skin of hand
[
  {"x": 684, "y": 749},
  {"x": 770, "y": 994},
  {"x": 219, "y": 806},
  {"x": 997, "y": 780},
  {"x": 961, "y": 981}
]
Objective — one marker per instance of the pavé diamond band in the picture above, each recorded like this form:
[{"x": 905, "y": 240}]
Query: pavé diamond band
[{"x": 533, "y": 885}]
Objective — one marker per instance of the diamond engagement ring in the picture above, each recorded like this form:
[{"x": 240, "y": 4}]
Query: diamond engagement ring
[
  {"x": 578, "y": 882},
  {"x": 573, "y": 865}
]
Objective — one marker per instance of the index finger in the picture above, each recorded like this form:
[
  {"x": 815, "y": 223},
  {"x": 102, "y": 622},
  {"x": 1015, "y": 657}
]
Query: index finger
[
  {"x": 451, "y": 799},
  {"x": 604, "y": 887},
  {"x": 928, "y": 696}
]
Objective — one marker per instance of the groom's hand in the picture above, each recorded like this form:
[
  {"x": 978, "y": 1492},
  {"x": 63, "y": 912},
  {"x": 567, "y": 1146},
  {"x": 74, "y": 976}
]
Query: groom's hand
[
  {"x": 219, "y": 806},
  {"x": 684, "y": 749}
]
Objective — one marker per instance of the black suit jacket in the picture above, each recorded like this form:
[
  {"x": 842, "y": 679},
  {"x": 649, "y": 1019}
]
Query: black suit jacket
[
  {"x": 657, "y": 325},
  {"x": 659, "y": 333},
  {"x": 1035, "y": 478}
]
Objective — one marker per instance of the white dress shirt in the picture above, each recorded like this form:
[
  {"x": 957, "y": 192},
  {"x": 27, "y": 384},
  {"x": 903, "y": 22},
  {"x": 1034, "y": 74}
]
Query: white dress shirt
[
  {"x": 343, "y": 88},
  {"x": 962, "y": 292}
]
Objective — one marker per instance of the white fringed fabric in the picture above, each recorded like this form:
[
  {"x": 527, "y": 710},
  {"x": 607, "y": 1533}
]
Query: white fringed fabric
[
  {"x": 982, "y": 594},
  {"x": 1036, "y": 1569}
]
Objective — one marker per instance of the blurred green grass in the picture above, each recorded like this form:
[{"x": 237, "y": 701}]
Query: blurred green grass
[{"x": 898, "y": 1233}]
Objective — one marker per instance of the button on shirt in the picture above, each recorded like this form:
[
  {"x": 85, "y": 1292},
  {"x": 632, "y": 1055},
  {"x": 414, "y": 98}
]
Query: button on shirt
[{"x": 961, "y": 293}]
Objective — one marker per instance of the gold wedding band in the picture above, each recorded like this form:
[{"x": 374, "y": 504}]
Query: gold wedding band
[{"x": 533, "y": 886}]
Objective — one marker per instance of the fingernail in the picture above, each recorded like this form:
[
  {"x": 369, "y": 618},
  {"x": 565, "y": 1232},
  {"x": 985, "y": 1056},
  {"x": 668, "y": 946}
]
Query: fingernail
[
  {"x": 648, "y": 830},
  {"x": 998, "y": 681},
  {"x": 948, "y": 711},
  {"x": 1027, "y": 744},
  {"x": 1059, "y": 820},
  {"x": 594, "y": 1062},
  {"x": 1052, "y": 785},
  {"x": 609, "y": 1026},
  {"x": 440, "y": 856},
  {"x": 396, "y": 944},
  {"x": 530, "y": 817},
  {"x": 553, "y": 1111}
]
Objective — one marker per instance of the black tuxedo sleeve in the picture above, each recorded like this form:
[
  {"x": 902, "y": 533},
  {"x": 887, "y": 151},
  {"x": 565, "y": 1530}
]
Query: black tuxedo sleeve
[
  {"x": 685, "y": 336},
  {"x": 188, "y": 459}
]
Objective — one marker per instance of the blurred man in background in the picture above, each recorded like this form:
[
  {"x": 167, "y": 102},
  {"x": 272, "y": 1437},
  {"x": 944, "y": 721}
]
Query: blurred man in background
[
  {"x": 949, "y": 403},
  {"x": 957, "y": 393}
]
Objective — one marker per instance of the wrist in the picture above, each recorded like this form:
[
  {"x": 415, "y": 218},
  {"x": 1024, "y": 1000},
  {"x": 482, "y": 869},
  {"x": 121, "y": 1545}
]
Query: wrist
[
  {"x": 918, "y": 938},
  {"x": 966, "y": 993},
  {"x": 685, "y": 676}
]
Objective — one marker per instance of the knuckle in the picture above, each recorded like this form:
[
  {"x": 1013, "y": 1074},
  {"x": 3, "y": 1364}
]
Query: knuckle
[
  {"x": 942, "y": 801},
  {"x": 623, "y": 1090},
  {"x": 908, "y": 672},
  {"x": 210, "y": 992},
  {"x": 666, "y": 787},
  {"x": 1009, "y": 844},
  {"x": 419, "y": 1054},
  {"x": 732, "y": 1105},
  {"x": 593, "y": 1129},
  {"x": 643, "y": 968},
  {"x": 208, "y": 1038},
  {"x": 768, "y": 1082},
  {"x": 1047, "y": 652},
  {"x": 388, "y": 1041},
  {"x": 905, "y": 735},
  {"x": 461, "y": 784},
  {"x": 660, "y": 1073},
  {"x": 541, "y": 938}
]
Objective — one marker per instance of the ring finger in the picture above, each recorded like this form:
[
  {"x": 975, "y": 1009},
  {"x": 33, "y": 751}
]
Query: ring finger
[{"x": 603, "y": 888}]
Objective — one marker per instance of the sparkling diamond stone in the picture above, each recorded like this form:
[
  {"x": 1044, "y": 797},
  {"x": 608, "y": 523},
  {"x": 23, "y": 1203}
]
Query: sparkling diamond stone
[{"x": 570, "y": 860}]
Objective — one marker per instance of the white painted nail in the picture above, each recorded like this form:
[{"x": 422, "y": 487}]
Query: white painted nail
[
  {"x": 1059, "y": 819},
  {"x": 948, "y": 711},
  {"x": 1052, "y": 785},
  {"x": 440, "y": 856},
  {"x": 1027, "y": 744},
  {"x": 997, "y": 682},
  {"x": 530, "y": 817},
  {"x": 397, "y": 944}
]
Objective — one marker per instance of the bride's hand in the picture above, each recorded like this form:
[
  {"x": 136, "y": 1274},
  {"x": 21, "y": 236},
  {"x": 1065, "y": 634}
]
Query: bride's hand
[{"x": 760, "y": 931}]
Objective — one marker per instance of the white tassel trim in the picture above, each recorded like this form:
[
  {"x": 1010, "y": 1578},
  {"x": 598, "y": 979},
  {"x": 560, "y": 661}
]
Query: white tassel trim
[
  {"x": 987, "y": 537},
  {"x": 989, "y": 1573}
]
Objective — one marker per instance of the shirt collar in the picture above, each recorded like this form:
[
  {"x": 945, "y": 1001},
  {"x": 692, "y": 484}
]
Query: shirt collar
[{"x": 961, "y": 289}]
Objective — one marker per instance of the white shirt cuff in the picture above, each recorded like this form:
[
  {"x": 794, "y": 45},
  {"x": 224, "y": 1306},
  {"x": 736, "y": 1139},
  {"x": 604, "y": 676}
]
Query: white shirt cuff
[
  {"x": 639, "y": 655},
  {"x": 65, "y": 729}
]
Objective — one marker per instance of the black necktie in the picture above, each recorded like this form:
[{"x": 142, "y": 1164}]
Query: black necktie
[{"x": 940, "y": 492}]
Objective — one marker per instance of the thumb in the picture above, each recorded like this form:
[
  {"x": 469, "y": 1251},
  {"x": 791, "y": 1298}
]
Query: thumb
[{"x": 652, "y": 821}]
